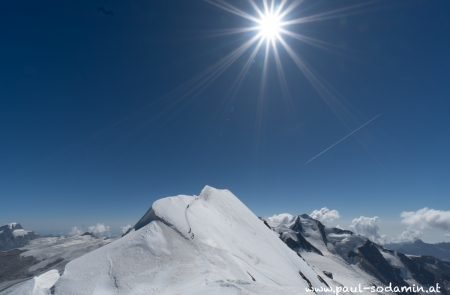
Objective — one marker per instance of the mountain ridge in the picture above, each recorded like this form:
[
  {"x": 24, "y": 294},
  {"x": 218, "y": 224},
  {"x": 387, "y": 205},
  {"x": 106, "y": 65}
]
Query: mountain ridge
[
  {"x": 421, "y": 248},
  {"x": 386, "y": 266},
  {"x": 207, "y": 244},
  {"x": 213, "y": 244}
]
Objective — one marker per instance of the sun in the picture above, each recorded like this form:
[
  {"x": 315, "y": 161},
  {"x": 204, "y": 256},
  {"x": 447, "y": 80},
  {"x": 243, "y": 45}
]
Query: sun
[
  {"x": 273, "y": 27},
  {"x": 270, "y": 26}
]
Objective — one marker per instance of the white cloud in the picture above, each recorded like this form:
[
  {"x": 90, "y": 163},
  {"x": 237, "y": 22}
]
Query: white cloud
[
  {"x": 99, "y": 229},
  {"x": 408, "y": 235},
  {"x": 75, "y": 231},
  {"x": 427, "y": 218},
  {"x": 125, "y": 228},
  {"x": 325, "y": 215},
  {"x": 368, "y": 227}
]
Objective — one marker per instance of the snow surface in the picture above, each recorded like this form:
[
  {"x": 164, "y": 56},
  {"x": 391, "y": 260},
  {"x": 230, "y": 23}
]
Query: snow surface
[
  {"x": 210, "y": 244},
  {"x": 334, "y": 258},
  {"x": 60, "y": 250},
  {"x": 39, "y": 285},
  {"x": 47, "y": 253},
  {"x": 19, "y": 233},
  {"x": 12, "y": 225}
]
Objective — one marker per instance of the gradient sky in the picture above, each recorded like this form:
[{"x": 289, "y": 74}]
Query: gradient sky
[{"x": 97, "y": 121}]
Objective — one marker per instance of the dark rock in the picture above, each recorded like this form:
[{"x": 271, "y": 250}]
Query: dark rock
[{"x": 328, "y": 274}]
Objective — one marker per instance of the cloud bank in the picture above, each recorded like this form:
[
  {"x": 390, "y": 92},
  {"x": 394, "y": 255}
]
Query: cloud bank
[
  {"x": 98, "y": 229},
  {"x": 124, "y": 229},
  {"x": 409, "y": 235},
  {"x": 75, "y": 231},
  {"x": 368, "y": 227},
  {"x": 325, "y": 215},
  {"x": 427, "y": 218}
]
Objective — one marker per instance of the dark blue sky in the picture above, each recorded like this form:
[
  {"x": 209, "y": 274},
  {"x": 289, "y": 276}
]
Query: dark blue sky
[{"x": 97, "y": 119}]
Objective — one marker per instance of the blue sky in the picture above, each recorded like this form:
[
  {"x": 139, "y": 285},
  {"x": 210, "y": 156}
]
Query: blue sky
[{"x": 97, "y": 121}]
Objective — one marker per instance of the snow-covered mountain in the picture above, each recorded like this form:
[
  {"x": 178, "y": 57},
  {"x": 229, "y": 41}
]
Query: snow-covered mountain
[
  {"x": 213, "y": 244},
  {"x": 42, "y": 254},
  {"x": 420, "y": 248},
  {"x": 348, "y": 257},
  {"x": 13, "y": 235},
  {"x": 209, "y": 244}
]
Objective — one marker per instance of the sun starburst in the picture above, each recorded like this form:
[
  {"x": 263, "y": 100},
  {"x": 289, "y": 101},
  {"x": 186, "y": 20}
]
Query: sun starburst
[{"x": 272, "y": 25}]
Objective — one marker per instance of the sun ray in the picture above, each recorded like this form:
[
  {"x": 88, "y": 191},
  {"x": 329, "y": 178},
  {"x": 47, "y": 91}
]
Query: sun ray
[
  {"x": 243, "y": 73},
  {"x": 280, "y": 72},
  {"x": 232, "y": 9},
  {"x": 222, "y": 65},
  {"x": 280, "y": 7},
  {"x": 235, "y": 87},
  {"x": 320, "y": 85},
  {"x": 266, "y": 6},
  {"x": 274, "y": 24},
  {"x": 290, "y": 8},
  {"x": 231, "y": 31},
  {"x": 332, "y": 14},
  {"x": 256, "y": 8},
  {"x": 200, "y": 82},
  {"x": 310, "y": 41},
  {"x": 262, "y": 94},
  {"x": 307, "y": 72}
]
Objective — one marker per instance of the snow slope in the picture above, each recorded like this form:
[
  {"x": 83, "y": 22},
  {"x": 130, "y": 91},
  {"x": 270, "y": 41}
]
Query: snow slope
[
  {"x": 39, "y": 285},
  {"x": 321, "y": 258},
  {"x": 42, "y": 254},
  {"x": 210, "y": 244},
  {"x": 352, "y": 259},
  {"x": 60, "y": 250}
]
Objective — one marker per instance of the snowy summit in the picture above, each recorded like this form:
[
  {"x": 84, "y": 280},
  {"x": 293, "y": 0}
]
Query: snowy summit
[{"x": 206, "y": 244}]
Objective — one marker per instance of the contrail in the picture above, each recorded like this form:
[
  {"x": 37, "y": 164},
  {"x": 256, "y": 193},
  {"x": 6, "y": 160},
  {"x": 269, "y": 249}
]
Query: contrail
[{"x": 342, "y": 139}]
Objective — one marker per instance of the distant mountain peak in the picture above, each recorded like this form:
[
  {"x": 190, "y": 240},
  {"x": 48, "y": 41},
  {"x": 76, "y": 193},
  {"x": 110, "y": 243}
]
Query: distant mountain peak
[
  {"x": 421, "y": 248},
  {"x": 15, "y": 225},
  {"x": 11, "y": 226},
  {"x": 13, "y": 235},
  {"x": 316, "y": 243}
]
